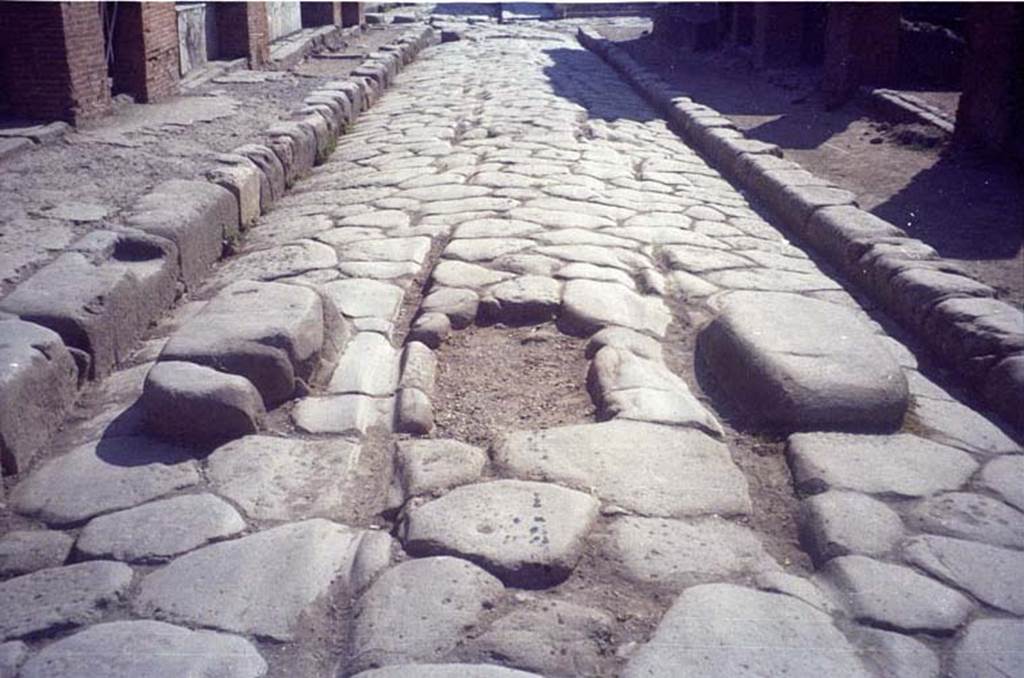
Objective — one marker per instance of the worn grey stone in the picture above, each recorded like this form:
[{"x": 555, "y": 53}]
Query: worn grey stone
[
  {"x": 24, "y": 551},
  {"x": 970, "y": 516},
  {"x": 272, "y": 172},
  {"x": 419, "y": 367},
  {"x": 1004, "y": 389},
  {"x": 1005, "y": 476},
  {"x": 989, "y": 573},
  {"x": 189, "y": 402},
  {"x": 156, "y": 531},
  {"x": 103, "y": 476},
  {"x": 289, "y": 259},
  {"x": 359, "y": 297},
  {"x": 901, "y": 465},
  {"x": 722, "y": 631},
  {"x": 991, "y": 648},
  {"x": 414, "y": 250},
  {"x": 528, "y": 534},
  {"x": 261, "y": 584},
  {"x": 60, "y": 597},
  {"x": 895, "y": 655},
  {"x": 795, "y": 363},
  {"x": 450, "y": 273},
  {"x": 484, "y": 249},
  {"x": 413, "y": 412},
  {"x": 589, "y": 305},
  {"x": 460, "y": 306},
  {"x": 592, "y": 272},
  {"x": 625, "y": 339},
  {"x": 343, "y": 414},
  {"x": 894, "y": 597},
  {"x": 679, "y": 554},
  {"x": 241, "y": 177},
  {"x": 15, "y": 652},
  {"x": 838, "y": 523},
  {"x": 432, "y": 328},
  {"x": 522, "y": 300},
  {"x": 38, "y": 384},
  {"x": 960, "y": 426},
  {"x": 146, "y": 649},
  {"x": 368, "y": 366},
  {"x": 651, "y": 469},
  {"x": 444, "y": 671},
  {"x": 430, "y": 466},
  {"x": 418, "y": 611}
]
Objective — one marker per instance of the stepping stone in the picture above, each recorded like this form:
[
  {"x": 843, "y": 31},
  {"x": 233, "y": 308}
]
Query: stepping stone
[
  {"x": 284, "y": 479},
  {"x": 368, "y": 366},
  {"x": 650, "y": 469},
  {"x": 838, "y": 523},
  {"x": 444, "y": 671},
  {"x": 136, "y": 649},
  {"x": 362, "y": 297},
  {"x": 24, "y": 551},
  {"x": 343, "y": 414},
  {"x": 430, "y": 466},
  {"x": 1005, "y": 476},
  {"x": 795, "y": 363},
  {"x": 894, "y": 597},
  {"x": 893, "y": 654},
  {"x": 591, "y": 305},
  {"x": 61, "y": 597},
  {"x": 724, "y": 631},
  {"x": 156, "y": 531},
  {"x": 260, "y": 585},
  {"x": 989, "y": 573},
  {"x": 270, "y": 333},
  {"x": 970, "y": 516},
  {"x": 991, "y": 648},
  {"x": 901, "y": 465},
  {"x": 419, "y": 610},
  {"x": 523, "y": 300},
  {"x": 959, "y": 426},
  {"x": 103, "y": 476},
  {"x": 528, "y": 534},
  {"x": 680, "y": 554}
]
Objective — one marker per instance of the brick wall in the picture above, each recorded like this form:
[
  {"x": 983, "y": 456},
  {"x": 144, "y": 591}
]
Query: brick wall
[
  {"x": 145, "y": 50},
  {"x": 244, "y": 32}
]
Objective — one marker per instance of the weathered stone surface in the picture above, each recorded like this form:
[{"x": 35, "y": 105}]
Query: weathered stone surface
[
  {"x": 368, "y": 366},
  {"x": 272, "y": 179},
  {"x": 651, "y": 469},
  {"x": 990, "y": 573},
  {"x": 592, "y": 272},
  {"x": 146, "y": 649},
  {"x": 960, "y": 426},
  {"x": 444, "y": 671},
  {"x": 484, "y": 249},
  {"x": 189, "y": 402},
  {"x": 432, "y": 328},
  {"x": 15, "y": 652},
  {"x": 343, "y": 414},
  {"x": 795, "y": 363},
  {"x": 418, "y": 611},
  {"x": 528, "y": 534},
  {"x": 161, "y": 529},
  {"x": 523, "y": 300},
  {"x": 838, "y": 523},
  {"x": 901, "y": 465},
  {"x": 722, "y": 631},
  {"x": 391, "y": 249},
  {"x": 26, "y": 551},
  {"x": 428, "y": 466},
  {"x": 1005, "y": 476},
  {"x": 460, "y": 274},
  {"x": 990, "y": 649},
  {"x": 458, "y": 305},
  {"x": 261, "y": 584},
  {"x": 419, "y": 367},
  {"x": 679, "y": 553},
  {"x": 289, "y": 259},
  {"x": 103, "y": 476},
  {"x": 270, "y": 333},
  {"x": 625, "y": 339},
  {"x": 970, "y": 516},
  {"x": 241, "y": 177},
  {"x": 590, "y": 305},
  {"x": 38, "y": 384},
  {"x": 360, "y": 297},
  {"x": 413, "y": 412},
  {"x": 895, "y": 597},
  {"x": 60, "y": 597},
  {"x": 1004, "y": 389},
  {"x": 895, "y": 655}
]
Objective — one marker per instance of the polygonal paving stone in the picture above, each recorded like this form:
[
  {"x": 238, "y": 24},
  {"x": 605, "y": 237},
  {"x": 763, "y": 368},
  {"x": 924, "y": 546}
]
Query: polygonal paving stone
[
  {"x": 60, "y": 597},
  {"x": 526, "y": 299},
  {"x": 368, "y": 366},
  {"x": 12, "y": 655},
  {"x": 991, "y": 648},
  {"x": 592, "y": 272},
  {"x": 838, "y": 523},
  {"x": 651, "y": 469},
  {"x": 26, "y": 551},
  {"x": 458, "y": 305},
  {"x": 146, "y": 649},
  {"x": 590, "y": 305},
  {"x": 360, "y": 297},
  {"x": 970, "y": 516},
  {"x": 528, "y": 534},
  {"x": 724, "y": 631},
  {"x": 449, "y": 273},
  {"x": 960, "y": 426},
  {"x": 161, "y": 529},
  {"x": 895, "y": 655},
  {"x": 1005, "y": 476},
  {"x": 426, "y": 466},
  {"x": 414, "y": 250},
  {"x": 343, "y": 414},
  {"x": 484, "y": 249}
]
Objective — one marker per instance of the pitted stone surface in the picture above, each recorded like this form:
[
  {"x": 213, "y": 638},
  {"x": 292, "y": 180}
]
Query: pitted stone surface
[
  {"x": 528, "y": 534},
  {"x": 795, "y": 363},
  {"x": 427, "y": 466},
  {"x": 990, "y": 573},
  {"x": 650, "y": 469},
  {"x": 991, "y": 648},
  {"x": 590, "y": 305},
  {"x": 146, "y": 649},
  {"x": 24, "y": 551},
  {"x": 838, "y": 523},
  {"x": 970, "y": 516}
]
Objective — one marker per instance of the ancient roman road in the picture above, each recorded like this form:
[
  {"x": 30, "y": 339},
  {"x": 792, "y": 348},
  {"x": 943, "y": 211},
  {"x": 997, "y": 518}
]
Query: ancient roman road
[{"x": 706, "y": 516}]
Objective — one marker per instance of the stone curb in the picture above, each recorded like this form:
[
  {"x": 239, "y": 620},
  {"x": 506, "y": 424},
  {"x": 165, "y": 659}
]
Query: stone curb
[
  {"x": 101, "y": 294},
  {"x": 956, "y": 317}
]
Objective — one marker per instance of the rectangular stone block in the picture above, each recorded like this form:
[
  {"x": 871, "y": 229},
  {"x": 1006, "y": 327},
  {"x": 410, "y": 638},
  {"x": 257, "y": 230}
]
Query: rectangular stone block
[
  {"x": 295, "y": 145},
  {"x": 241, "y": 177}
]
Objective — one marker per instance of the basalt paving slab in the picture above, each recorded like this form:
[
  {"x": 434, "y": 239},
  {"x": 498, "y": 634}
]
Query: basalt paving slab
[{"x": 991, "y": 648}]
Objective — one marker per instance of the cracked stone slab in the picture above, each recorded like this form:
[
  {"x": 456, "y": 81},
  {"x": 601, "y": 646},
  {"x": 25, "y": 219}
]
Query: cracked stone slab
[
  {"x": 261, "y": 584},
  {"x": 111, "y": 474},
  {"x": 61, "y": 597},
  {"x": 528, "y": 534},
  {"x": 418, "y": 612},
  {"x": 159, "y": 530},
  {"x": 651, "y": 469},
  {"x": 433, "y": 465},
  {"x": 991, "y": 648},
  {"x": 722, "y": 631},
  {"x": 591, "y": 305},
  {"x": 839, "y": 523},
  {"x": 795, "y": 363},
  {"x": 967, "y": 515},
  {"x": 24, "y": 551},
  {"x": 369, "y": 365},
  {"x": 146, "y": 649}
]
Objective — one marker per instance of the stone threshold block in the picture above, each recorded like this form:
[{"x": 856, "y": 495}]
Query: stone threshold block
[
  {"x": 101, "y": 294},
  {"x": 793, "y": 363}
]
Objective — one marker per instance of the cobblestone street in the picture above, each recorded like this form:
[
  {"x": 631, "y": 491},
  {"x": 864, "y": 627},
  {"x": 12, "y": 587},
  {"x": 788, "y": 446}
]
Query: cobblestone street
[{"x": 516, "y": 383}]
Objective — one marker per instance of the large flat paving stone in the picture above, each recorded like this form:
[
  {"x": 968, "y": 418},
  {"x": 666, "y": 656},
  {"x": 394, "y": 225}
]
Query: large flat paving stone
[
  {"x": 958, "y": 425},
  {"x": 794, "y": 363},
  {"x": 290, "y": 259},
  {"x": 1004, "y": 475},
  {"x": 591, "y": 305},
  {"x": 261, "y": 584},
  {"x": 24, "y": 551},
  {"x": 146, "y": 649},
  {"x": 970, "y": 516},
  {"x": 838, "y": 523},
  {"x": 61, "y": 597},
  {"x": 161, "y": 529},
  {"x": 12, "y": 655},
  {"x": 433, "y": 465},
  {"x": 418, "y": 611},
  {"x": 270, "y": 333},
  {"x": 272, "y": 478},
  {"x": 528, "y": 534},
  {"x": 725, "y": 631},
  {"x": 991, "y": 648},
  {"x": 902, "y": 465},
  {"x": 647, "y": 468},
  {"x": 111, "y": 474}
]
